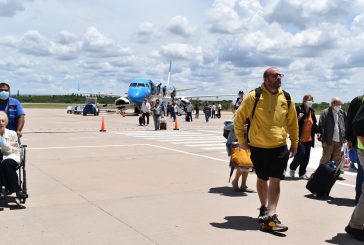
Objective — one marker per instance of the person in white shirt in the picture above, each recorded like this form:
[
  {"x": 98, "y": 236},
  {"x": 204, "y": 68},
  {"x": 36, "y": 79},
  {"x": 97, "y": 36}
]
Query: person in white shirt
[
  {"x": 146, "y": 111},
  {"x": 10, "y": 149}
]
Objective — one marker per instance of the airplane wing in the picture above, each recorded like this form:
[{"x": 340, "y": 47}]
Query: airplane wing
[{"x": 216, "y": 96}]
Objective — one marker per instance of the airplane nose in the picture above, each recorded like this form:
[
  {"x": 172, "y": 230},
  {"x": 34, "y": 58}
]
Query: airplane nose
[{"x": 136, "y": 95}]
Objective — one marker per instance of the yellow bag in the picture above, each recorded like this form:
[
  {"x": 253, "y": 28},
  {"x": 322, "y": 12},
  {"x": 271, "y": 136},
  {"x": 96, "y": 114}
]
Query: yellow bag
[{"x": 241, "y": 157}]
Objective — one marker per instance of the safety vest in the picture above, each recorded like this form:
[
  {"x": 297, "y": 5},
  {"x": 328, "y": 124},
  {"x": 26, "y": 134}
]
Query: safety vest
[{"x": 360, "y": 144}]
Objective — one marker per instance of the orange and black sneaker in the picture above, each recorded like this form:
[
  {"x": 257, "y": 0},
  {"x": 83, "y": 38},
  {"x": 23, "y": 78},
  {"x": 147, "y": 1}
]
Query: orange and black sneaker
[
  {"x": 262, "y": 214},
  {"x": 272, "y": 223}
]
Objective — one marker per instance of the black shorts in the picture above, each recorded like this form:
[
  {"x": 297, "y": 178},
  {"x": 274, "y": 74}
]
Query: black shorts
[{"x": 271, "y": 162}]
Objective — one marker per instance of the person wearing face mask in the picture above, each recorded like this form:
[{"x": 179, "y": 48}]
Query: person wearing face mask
[
  {"x": 13, "y": 108},
  {"x": 307, "y": 124},
  {"x": 331, "y": 131}
]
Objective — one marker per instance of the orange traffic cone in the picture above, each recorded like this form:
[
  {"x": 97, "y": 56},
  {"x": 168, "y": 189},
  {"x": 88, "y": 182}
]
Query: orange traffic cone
[
  {"x": 176, "y": 124},
  {"x": 103, "y": 129}
]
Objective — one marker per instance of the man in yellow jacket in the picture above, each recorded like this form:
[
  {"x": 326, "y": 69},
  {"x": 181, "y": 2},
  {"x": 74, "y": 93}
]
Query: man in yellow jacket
[{"x": 273, "y": 116}]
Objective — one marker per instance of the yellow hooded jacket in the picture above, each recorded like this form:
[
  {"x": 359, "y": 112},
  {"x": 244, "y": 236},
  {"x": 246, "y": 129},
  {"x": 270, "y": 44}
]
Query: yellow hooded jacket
[{"x": 272, "y": 119}]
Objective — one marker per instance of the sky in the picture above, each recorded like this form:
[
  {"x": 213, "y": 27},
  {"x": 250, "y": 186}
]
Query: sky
[{"x": 218, "y": 46}]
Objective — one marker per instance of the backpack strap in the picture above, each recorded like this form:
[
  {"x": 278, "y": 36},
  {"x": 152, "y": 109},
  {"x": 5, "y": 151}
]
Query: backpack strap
[
  {"x": 258, "y": 93},
  {"x": 288, "y": 98}
]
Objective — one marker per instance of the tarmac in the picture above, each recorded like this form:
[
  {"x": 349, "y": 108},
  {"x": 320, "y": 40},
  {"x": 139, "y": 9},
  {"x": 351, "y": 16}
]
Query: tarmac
[{"x": 134, "y": 185}]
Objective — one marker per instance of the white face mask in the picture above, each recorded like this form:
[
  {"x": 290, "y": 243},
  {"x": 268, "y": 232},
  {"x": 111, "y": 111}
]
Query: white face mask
[
  {"x": 309, "y": 103},
  {"x": 337, "y": 108}
]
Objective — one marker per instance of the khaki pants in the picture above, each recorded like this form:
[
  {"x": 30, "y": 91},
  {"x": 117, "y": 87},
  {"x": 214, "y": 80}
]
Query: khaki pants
[
  {"x": 357, "y": 218},
  {"x": 331, "y": 152}
]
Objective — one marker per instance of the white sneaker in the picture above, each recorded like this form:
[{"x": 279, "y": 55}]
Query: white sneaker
[
  {"x": 291, "y": 173},
  {"x": 304, "y": 177}
]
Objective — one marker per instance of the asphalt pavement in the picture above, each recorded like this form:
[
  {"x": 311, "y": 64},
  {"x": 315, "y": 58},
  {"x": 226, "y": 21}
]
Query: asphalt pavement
[{"x": 134, "y": 185}]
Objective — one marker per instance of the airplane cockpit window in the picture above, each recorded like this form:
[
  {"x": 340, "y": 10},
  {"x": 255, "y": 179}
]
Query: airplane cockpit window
[
  {"x": 133, "y": 85},
  {"x": 141, "y": 85}
]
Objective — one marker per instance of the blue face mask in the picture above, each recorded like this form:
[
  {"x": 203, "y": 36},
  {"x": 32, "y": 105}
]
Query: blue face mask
[{"x": 4, "y": 95}]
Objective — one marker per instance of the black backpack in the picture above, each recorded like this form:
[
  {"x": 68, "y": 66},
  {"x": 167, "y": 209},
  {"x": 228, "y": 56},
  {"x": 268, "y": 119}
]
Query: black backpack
[
  {"x": 358, "y": 121},
  {"x": 258, "y": 93}
]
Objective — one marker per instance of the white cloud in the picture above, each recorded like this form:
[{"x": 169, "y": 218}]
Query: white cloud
[
  {"x": 8, "y": 8},
  {"x": 180, "y": 51},
  {"x": 33, "y": 43},
  {"x": 180, "y": 25},
  {"x": 146, "y": 32},
  {"x": 98, "y": 45}
]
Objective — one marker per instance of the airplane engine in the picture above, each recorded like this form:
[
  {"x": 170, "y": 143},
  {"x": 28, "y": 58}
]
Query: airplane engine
[
  {"x": 122, "y": 101},
  {"x": 184, "y": 101}
]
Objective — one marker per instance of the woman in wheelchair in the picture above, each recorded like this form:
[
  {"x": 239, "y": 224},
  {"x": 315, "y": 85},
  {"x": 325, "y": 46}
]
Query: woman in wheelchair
[{"x": 10, "y": 154}]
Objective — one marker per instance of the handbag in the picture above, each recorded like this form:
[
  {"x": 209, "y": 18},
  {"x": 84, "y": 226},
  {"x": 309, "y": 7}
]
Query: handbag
[{"x": 241, "y": 157}]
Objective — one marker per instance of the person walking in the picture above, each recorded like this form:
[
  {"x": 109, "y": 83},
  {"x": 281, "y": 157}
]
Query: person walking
[
  {"x": 157, "y": 114},
  {"x": 352, "y": 142},
  {"x": 189, "y": 110},
  {"x": 238, "y": 101},
  {"x": 197, "y": 111},
  {"x": 240, "y": 172},
  {"x": 207, "y": 111},
  {"x": 356, "y": 224},
  {"x": 146, "y": 111},
  {"x": 271, "y": 116},
  {"x": 307, "y": 125},
  {"x": 213, "y": 111},
  {"x": 331, "y": 132}
]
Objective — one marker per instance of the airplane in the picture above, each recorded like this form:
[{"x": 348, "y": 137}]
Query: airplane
[{"x": 141, "y": 89}]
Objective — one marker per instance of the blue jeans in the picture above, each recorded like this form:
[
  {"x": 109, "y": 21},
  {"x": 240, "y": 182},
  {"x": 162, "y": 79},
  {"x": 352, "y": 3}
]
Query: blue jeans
[
  {"x": 207, "y": 116},
  {"x": 301, "y": 158}
]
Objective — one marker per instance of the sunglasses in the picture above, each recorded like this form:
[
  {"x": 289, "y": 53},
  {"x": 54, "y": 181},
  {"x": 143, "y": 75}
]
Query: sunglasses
[
  {"x": 6, "y": 90},
  {"x": 277, "y": 75}
]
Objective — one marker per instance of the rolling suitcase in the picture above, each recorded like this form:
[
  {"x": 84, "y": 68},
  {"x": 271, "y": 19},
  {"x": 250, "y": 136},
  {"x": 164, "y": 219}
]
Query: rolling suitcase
[
  {"x": 323, "y": 179},
  {"x": 141, "y": 120},
  {"x": 163, "y": 125}
]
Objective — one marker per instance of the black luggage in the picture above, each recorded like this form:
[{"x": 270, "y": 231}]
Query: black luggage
[
  {"x": 163, "y": 125},
  {"x": 141, "y": 120},
  {"x": 323, "y": 179}
]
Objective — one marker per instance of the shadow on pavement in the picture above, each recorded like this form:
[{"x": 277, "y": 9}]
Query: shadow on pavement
[
  {"x": 242, "y": 223},
  {"x": 343, "y": 238},
  {"x": 226, "y": 191},
  {"x": 334, "y": 201},
  {"x": 10, "y": 203},
  {"x": 342, "y": 202}
]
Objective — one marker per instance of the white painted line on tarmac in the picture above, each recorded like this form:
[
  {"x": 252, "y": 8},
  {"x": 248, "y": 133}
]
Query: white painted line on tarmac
[
  {"x": 207, "y": 144},
  {"x": 341, "y": 183},
  {"x": 80, "y": 146},
  {"x": 189, "y": 153},
  {"x": 214, "y": 148},
  {"x": 192, "y": 139},
  {"x": 195, "y": 142}
]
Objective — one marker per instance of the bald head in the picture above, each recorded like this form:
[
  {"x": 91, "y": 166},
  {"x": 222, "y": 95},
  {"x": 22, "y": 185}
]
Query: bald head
[{"x": 272, "y": 79}]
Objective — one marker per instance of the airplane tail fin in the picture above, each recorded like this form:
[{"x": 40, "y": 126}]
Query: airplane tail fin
[{"x": 169, "y": 71}]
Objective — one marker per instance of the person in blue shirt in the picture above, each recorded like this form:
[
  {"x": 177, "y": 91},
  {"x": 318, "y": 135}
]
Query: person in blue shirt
[{"x": 13, "y": 108}]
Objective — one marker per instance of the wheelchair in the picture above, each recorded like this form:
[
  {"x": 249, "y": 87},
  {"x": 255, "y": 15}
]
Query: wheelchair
[
  {"x": 22, "y": 176},
  {"x": 22, "y": 181}
]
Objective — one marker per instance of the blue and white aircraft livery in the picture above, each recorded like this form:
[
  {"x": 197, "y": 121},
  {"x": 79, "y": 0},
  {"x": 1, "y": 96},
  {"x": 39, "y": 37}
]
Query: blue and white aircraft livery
[{"x": 140, "y": 89}]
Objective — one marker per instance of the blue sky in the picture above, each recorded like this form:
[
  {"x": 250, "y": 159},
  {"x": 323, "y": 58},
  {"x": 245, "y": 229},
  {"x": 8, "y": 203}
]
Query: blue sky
[{"x": 221, "y": 46}]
